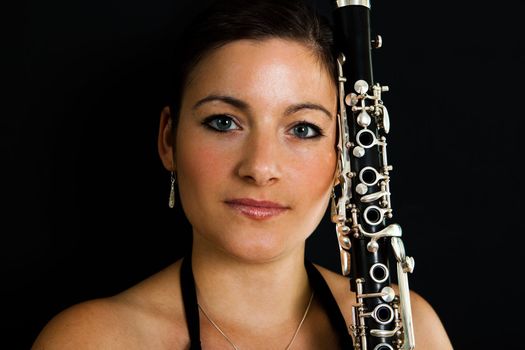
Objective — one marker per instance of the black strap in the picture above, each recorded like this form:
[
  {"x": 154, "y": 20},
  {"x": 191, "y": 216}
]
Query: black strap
[
  {"x": 327, "y": 300},
  {"x": 189, "y": 298},
  {"x": 319, "y": 285}
]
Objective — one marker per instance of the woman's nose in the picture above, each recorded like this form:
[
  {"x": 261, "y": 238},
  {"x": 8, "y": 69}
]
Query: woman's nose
[{"x": 261, "y": 160}]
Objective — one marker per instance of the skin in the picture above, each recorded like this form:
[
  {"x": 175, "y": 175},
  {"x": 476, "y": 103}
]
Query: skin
[{"x": 276, "y": 90}]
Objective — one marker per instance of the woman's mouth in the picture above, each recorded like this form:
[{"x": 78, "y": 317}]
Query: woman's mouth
[{"x": 255, "y": 209}]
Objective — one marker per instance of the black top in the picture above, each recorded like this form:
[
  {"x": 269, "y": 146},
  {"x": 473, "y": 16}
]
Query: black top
[{"x": 321, "y": 289}]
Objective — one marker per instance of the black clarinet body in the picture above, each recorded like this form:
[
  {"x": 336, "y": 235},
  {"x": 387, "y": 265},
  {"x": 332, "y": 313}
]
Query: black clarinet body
[{"x": 361, "y": 206}]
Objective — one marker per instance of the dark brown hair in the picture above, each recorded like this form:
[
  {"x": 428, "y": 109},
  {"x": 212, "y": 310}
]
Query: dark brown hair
[{"x": 225, "y": 21}]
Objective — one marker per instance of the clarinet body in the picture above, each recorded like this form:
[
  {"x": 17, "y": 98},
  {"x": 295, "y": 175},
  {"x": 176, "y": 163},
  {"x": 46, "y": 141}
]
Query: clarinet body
[{"x": 361, "y": 205}]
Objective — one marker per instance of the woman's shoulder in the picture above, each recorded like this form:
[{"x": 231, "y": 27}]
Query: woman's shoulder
[
  {"x": 340, "y": 288},
  {"x": 87, "y": 325},
  {"x": 148, "y": 315},
  {"x": 429, "y": 330}
]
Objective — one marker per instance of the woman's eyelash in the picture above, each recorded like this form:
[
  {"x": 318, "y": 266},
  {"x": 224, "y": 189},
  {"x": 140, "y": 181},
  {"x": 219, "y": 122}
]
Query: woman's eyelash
[
  {"x": 304, "y": 129},
  {"x": 224, "y": 123},
  {"x": 220, "y": 123}
]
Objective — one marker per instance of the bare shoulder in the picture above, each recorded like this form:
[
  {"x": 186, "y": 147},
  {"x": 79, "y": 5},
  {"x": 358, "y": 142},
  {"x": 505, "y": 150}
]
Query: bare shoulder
[
  {"x": 88, "y": 325},
  {"x": 146, "y": 316},
  {"x": 429, "y": 330},
  {"x": 340, "y": 289}
]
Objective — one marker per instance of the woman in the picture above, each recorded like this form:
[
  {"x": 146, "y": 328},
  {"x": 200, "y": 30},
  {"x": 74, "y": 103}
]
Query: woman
[{"x": 250, "y": 137}]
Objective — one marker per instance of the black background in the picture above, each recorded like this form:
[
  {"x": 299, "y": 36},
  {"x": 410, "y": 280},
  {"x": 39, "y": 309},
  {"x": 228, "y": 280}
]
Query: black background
[{"x": 85, "y": 196}]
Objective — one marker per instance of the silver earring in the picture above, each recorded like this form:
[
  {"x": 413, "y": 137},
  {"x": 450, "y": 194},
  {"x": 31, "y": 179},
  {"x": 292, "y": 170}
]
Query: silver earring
[{"x": 172, "y": 190}]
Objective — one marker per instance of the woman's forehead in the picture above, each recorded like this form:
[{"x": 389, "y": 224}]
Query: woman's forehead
[{"x": 268, "y": 67}]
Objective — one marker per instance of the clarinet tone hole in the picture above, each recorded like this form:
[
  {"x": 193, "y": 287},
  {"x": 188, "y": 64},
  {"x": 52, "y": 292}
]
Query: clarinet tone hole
[
  {"x": 373, "y": 215},
  {"x": 379, "y": 273},
  {"x": 383, "y": 314},
  {"x": 383, "y": 346},
  {"x": 369, "y": 176},
  {"x": 366, "y": 138}
]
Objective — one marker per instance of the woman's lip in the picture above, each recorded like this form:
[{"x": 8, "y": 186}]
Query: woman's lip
[
  {"x": 256, "y": 209},
  {"x": 255, "y": 203}
]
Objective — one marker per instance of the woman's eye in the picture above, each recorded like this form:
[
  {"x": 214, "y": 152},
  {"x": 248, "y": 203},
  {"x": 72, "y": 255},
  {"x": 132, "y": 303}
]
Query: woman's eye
[
  {"x": 306, "y": 131},
  {"x": 220, "y": 123}
]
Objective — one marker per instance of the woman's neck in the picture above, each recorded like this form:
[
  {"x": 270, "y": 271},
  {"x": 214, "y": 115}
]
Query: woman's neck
[{"x": 263, "y": 294}]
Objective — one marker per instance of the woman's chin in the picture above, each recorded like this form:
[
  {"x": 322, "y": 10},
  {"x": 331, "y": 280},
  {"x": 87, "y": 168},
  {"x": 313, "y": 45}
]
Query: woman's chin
[
  {"x": 249, "y": 244},
  {"x": 258, "y": 251}
]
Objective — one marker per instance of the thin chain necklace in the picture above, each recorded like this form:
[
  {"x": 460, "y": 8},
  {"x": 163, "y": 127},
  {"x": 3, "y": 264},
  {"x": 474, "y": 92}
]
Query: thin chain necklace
[{"x": 235, "y": 346}]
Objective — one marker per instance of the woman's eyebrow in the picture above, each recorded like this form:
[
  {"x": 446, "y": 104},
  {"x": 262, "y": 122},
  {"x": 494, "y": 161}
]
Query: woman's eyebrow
[
  {"x": 235, "y": 102},
  {"x": 297, "y": 107},
  {"x": 240, "y": 104}
]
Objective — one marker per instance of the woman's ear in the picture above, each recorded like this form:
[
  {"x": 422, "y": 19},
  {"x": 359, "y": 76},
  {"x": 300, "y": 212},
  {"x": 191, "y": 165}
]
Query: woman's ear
[{"x": 165, "y": 141}]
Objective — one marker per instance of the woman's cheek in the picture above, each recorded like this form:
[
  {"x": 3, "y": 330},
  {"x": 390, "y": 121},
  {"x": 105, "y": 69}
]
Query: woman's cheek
[
  {"x": 204, "y": 162},
  {"x": 316, "y": 166}
]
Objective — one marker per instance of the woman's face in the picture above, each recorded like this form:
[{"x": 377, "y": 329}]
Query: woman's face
[{"x": 255, "y": 147}]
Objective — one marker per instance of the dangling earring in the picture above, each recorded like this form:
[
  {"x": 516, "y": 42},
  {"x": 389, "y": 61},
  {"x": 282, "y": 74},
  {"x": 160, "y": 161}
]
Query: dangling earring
[
  {"x": 172, "y": 190},
  {"x": 333, "y": 206}
]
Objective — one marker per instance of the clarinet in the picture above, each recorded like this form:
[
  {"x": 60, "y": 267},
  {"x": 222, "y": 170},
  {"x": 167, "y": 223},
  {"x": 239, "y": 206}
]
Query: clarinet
[{"x": 361, "y": 206}]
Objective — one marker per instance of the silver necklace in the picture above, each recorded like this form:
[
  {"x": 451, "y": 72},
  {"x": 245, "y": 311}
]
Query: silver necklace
[{"x": 235, "y": 346}]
